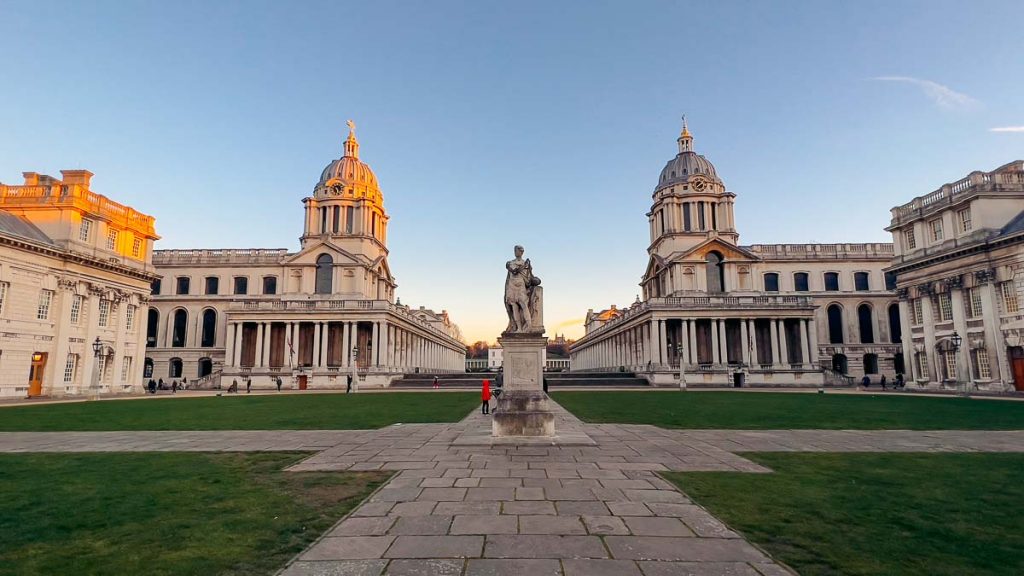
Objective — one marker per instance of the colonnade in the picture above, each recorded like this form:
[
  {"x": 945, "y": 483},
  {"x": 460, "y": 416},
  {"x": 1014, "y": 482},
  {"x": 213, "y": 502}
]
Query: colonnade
[{"x": 647, "y": 344}]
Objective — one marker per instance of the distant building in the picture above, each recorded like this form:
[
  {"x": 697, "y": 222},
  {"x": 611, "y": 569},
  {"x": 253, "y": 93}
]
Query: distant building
[
  {"x": 309, "y": 317},
  {"x": 959, "y": 267},
  {"x": 74, "y": 267},
  {"x": 780, "y": 314}
]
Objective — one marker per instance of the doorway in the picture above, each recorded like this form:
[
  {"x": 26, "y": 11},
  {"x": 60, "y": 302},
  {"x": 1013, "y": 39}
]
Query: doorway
[
  {"x": 35, "y": 374},
  {"x": 1017, "y": 367},
  {"x": 302, "y": 382}
]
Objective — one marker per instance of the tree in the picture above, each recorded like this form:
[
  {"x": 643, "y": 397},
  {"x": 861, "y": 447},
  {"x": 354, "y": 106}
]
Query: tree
[{"x": 477, "y": 349}]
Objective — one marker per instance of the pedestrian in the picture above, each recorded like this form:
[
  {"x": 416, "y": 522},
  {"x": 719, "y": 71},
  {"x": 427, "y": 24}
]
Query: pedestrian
[
  {"x": 174, "y": 386},
  {"x": 233, "y": 389},
  {"x": 278, "y": 381},
  {"x": 899, "y": 381},
  {"x": 436, "y": 383},
  {"x": 882, "y": 381},
  {"x": 866, "y": 382},
  {"x": 160, "y": 385},
  {"x": 485, "y": 407},
  {"x": 152, "y": 386},
  {"x": 248, "y": 386},
  {"x": 348, "y": 384}
]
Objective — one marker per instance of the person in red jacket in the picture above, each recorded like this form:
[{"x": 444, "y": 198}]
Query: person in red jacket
[{"x": 485, "y": 408}]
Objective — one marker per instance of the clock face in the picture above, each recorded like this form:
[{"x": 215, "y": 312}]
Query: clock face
[{"x": 699, "y": 185}]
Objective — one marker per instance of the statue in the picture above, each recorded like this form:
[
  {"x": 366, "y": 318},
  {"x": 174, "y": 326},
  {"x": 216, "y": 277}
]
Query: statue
[{"x": 523, "y": 297}]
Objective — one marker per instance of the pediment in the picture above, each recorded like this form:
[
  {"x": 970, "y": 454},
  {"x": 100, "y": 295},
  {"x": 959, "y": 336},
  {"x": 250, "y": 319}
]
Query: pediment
[
  {"x": 729, "y": 252},
  {"x": 310, "y": 253}
]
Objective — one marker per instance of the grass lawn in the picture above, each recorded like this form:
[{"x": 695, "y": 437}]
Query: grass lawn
[
  {"x": 264, "y": 412},
  {"x": 780, "y": 411},
  {"x": 165, "y": 514},
  {"x": 853, "y": 514}
]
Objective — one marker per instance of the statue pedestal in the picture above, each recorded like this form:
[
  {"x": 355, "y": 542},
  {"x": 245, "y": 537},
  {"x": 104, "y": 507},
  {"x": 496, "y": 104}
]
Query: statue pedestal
[{"x": 522, "y": 408}]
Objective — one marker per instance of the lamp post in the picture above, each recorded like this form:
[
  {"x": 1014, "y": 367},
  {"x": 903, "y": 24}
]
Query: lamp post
[
  {"x": 355, "y": 369},
  {"x": 957, "y": 341},
  {"x": 682, "y": 367},
  {"x": 94, "y": 386}
]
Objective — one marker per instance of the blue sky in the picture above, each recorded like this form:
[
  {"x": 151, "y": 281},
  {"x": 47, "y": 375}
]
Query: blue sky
[{"x": 495, "y": 123}]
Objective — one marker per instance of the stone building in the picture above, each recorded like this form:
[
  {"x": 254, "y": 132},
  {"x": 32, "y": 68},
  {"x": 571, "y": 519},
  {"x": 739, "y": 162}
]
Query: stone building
[
  {"x": 959, "y": 267},
  {"x": 309, "y": 317},
  {"x": 778, "y": 314},
  {"x": 74, "y": 267}
]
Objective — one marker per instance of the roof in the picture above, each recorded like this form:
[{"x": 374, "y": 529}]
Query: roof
[
  {"x": 1013, "y": 226},
  {"x": 14, "y": 225}
]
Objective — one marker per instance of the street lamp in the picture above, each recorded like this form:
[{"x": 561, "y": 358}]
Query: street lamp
[
  {"x": 94, "y": 387},
  {"x": 956, "y": 340},
  {"x": 682, "y": 367},
  {"x": 355, "y": 369}
]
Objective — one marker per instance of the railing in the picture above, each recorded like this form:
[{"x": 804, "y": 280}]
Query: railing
[
  {"x": 805, "y": 251},
  {"x": 1011, "y": 175},
  {"x": 250, "y": 255},
  {"x": 76, "y": 195}
]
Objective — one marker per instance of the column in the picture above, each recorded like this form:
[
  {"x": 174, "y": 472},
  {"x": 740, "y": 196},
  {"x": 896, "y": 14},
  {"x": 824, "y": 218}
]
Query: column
[
  {"x": 775, "y": 342},
  {"x": 375, "y": 340},
  {"x": 229, "y": 345},
  {"x": 258, "y": 359},
  {"x": 960, "y": 327},
  {"x": 662, "y": 343},
  {"x": 284, "y": 343},
  {"x": 907, "y": 341},
  {"x": 744, "y": 343},
  {"x": 933, "y": 363},
  {"x": 716, "y": 355},
  {"x": 295, "y": 342},
  {"x": 239, "y": 329},
  {"x": 382, "y": 356},
  {"x": 752, "y": 329},
  {"x": 325, "y": 336},
  {"x": 316, "y": 344},
  {"x": 656, "y": 345},
  {"x": 805, "y": 350},
  {"x": 812, "y": 339},
  {"x": 346, "y": 346},
  {"x": 723, "y": 341},
  {"x": 783, "y": 346},
  {"x": 691, "y": 330}
]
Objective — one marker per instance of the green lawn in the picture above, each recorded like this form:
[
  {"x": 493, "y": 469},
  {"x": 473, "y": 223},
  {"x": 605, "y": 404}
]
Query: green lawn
[
  {"x": 264, "y": 412},
  {"x": 777, "y": 411},
  {"x": 164, "y": 514},
  {"x": 853, "y": 514}
]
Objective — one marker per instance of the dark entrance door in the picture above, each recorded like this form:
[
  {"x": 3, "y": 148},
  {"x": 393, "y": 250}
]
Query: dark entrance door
[
  {"x": 35, "y": 375},
  {"x": 1017, "y": 366},
  {"x": 302, "y": 382}
]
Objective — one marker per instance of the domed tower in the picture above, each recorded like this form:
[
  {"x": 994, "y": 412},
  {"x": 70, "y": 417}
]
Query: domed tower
[
  {"x": 691, "y": 204},
  {"x": 347, "y": 205}
]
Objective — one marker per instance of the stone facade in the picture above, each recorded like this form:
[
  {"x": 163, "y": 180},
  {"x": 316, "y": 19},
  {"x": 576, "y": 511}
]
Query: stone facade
[
  {"x": 75, "y": 267},
  {"x": 959, "y": 267},
  {"x": 778, "y": 314},
  {"x": 310, "y": 317}
]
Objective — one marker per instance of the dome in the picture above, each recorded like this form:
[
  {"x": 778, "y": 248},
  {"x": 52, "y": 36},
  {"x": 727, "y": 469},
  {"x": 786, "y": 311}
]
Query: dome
[
  {"x": 348, "y": 171},
  {"x": 686, "y": 164}
]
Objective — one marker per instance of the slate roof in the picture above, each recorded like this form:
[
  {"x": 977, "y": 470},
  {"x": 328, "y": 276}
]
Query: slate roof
[{"x": 14, "y": 225}]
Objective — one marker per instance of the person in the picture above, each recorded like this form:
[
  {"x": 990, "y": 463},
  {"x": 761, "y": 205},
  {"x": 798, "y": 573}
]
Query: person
[
  {"x": 882, "y": 381},
  {"x": 248, "y": 386},
  {"x": 233, "y": 389},
  {"x": 174, "y": 386},
  {"x": 436, "y": 383},
  {"x": 277, "y": 380},
  {"x": 899, "y": 381},
  {"x": 485, "y": 407},
  {"x": 866, "y": 382},
  {"x": 160, "y": 384},
  {"x": 348, "y": 384},
  {"x": 152, "y": 386}
]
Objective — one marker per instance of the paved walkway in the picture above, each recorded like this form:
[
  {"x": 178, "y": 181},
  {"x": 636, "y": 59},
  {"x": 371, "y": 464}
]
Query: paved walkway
[{"x": 588, "y": 503}]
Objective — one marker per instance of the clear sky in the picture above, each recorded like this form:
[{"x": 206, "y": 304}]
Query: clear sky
[{"x": 495, "y": 123}]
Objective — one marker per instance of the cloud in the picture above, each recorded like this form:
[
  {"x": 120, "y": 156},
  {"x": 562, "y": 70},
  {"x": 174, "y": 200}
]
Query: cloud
[
  {"x": 1007, "y": 129},
  {"x": 942, "y": 96},
  {"x": 571, "y": 323}
]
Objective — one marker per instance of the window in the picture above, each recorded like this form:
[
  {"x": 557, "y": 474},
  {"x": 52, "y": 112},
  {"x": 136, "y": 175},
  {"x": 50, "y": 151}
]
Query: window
[
  {"x": 241, "y": 285},
  {"x": 936, "y": 228},
  {"x": 800, "y": 282},
  {"x": 324, "y": 272},
  {"x": 832, "y": 281},
  {"x": 715, "y": 273},
  {"x": 183, "y": 284},
  {"x": 104, "y": 368},
  {"x": 111, "y": 239},
  {"x": 154, "y": 288},
  {"x": 45, "y": 298},
  {"x": 895, "y": 329},
  {"x": 137, "y": 247},
  {"x": 152, "y": 327},
  {"x": 270, "y": 284},
  {"x": 973, "y": 303},
  {"x": 963, "y": 219},
  {"x": 104, "y": 313},
  {"x": 209, "y": 333},
  {"x": 771, "y": 282},
  {"x": 865, "y": 321},
  {"x": 1010, "y": 303},
  {"x": 349, "y": 219},
  {"x": 212, "y": 284},
  {"x": 918, "y": 311},
  {"x": 949, "y": 364},
  {"x": 700, "y": 216},
  {"x": 945, "y": 307},
  {"x": 910, "y": 239},
  {"x": 686, "y": 216},
  {"x": 85, "y": 230},
  {"x": 982, "y": 370},
  {"x": 860, "y": 281},
  {"x": 3, "y": 296},
  {"x": 178, "y": 329},
  {"x": 76, "y": 309},
  {"x": 870, "y": 363},
  {"x": 890, "y": 281},
  {"x": 70, "y": 367},
  {"x": 835, "y": 324},
  {"x": 129, "y": 318},
  {"x": 922, "y": 365},
  {"x": 126, "y": 368}
]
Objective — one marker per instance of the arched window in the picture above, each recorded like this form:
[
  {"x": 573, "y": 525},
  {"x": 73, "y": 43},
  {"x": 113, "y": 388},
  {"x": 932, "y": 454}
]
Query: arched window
[
  {"x": 867, "y": 331},
  {"x": 179, "y": 328},
  {"x": 152, "y": 327},
  {"x": 839, "y": 363},
  {"x": 205, "y": 367},
  {"x": 324, "y": 270},
  {"x": 174, "y": 368},
  {"x": 715, "y": 272},
  {"x": 832, "y": 281},
  {"x": 800, "y": 282},
  {"x": 895, "y": 330},
  {"x": 209, "y": 333},
  {"x": 771, "y": 282},
  {"x": 835, "y": 324},
  {"x": 147, "y": 368},
  {"x": 871, "y": 363}
]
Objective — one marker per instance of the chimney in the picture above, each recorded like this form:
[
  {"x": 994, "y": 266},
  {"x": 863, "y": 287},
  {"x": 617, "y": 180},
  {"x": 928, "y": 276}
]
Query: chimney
[
  {"x": 81, "y": 177},
  {"x": 31, "y": 178}
]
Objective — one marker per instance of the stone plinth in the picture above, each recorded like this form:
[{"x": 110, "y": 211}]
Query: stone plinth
[{"x": 523, "y": 408}]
